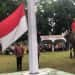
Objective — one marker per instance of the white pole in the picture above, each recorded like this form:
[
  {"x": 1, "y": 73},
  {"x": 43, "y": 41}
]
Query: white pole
[{"x": 33, "y": 49}]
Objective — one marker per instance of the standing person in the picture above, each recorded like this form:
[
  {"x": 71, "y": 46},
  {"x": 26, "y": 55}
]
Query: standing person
[
  {"x": 19, "y": 52},
  {"x": 38, "y": 40},
  {"x": 0, "y": 48}
]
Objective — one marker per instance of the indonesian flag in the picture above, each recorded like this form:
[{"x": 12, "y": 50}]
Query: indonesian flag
[
  {"x": 13, "y": 27},
  {"x": 73, "y": 26}
]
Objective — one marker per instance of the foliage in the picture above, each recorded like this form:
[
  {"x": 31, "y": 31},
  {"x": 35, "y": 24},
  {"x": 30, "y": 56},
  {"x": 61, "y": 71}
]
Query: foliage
[
  {"x": 62, "y": 11},
  {"x": 6, "y": 7}
]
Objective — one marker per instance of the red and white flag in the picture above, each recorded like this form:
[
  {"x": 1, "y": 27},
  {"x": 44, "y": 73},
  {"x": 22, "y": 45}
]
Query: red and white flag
[{"x": 13, "y": 27}]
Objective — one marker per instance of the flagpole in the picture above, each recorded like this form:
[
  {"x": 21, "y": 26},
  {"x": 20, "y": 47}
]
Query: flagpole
[{"x": 32, "y": 35}]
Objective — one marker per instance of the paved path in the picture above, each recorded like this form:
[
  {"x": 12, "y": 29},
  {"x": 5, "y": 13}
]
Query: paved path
[{"x": 46, "y": 71}]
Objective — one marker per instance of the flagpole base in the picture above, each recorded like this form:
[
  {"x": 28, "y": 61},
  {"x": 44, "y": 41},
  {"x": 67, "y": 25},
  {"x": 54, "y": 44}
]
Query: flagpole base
[
  {"x": 36, "y": 73},
  {"x": 46, "y": 71}
]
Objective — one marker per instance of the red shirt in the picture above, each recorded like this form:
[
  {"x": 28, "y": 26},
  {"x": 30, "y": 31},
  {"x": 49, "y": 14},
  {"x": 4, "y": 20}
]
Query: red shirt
[
  {"x": 19, "y": 51},
  {"x": 73, "y": 26}
]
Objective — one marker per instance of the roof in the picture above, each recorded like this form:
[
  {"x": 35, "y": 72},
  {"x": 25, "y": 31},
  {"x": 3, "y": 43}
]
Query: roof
[{"x": 52, "y": 37}]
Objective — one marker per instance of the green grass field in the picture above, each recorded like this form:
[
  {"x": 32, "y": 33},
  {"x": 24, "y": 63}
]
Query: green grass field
[{"x": 57, "y": 60}]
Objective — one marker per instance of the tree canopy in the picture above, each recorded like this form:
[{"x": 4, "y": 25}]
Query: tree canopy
[
  {"x": 62, "y": 12},
  {"x": 8, "y": 6}
]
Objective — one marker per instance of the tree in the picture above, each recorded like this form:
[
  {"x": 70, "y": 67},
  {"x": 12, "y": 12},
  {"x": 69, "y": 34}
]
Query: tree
[
  {"x": 62, "y": 11},
  {"x": 6, "y": 7}
]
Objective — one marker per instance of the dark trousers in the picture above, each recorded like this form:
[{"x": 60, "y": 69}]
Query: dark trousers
[
  {"x": 19, "y": 63},
  {"x": 38, "y": 53}
]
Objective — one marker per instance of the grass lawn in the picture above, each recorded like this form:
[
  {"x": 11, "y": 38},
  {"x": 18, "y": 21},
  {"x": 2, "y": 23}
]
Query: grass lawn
[{"x": 57, "y": 60}]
